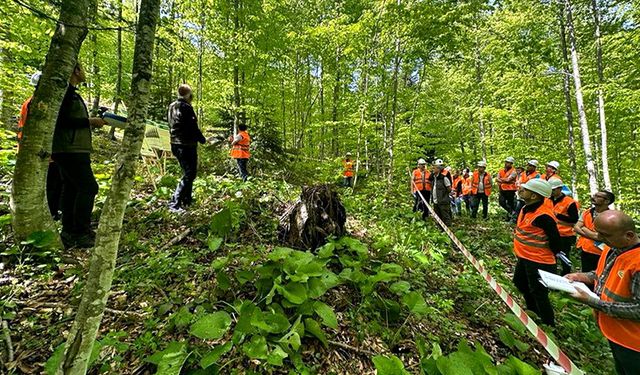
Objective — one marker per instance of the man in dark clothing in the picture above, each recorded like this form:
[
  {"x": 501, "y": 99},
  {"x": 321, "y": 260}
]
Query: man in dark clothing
[
  {"x": 441, "y": 183},
  {"x": 72, "y": 153},
  {"x": 185, "y": 136},
  {"x": 566, "y": 211},
  {"x": 536, "y": 243}
]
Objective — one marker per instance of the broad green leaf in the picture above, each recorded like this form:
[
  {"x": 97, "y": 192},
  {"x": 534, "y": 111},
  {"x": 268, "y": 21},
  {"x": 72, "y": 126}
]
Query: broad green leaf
[
  {"x": 271, "y": 322},
  {"x": 276, "y": 356},
  {"x": 389, "y": 365},
  {"x": 295, "y": 293},
  {"x": 325, "y": 312},
  {"x": 214, "y": 243},
  {"x": 221, "y": 223},
  {"x": 211, "y": 326},
  {"x": 326, "y": 251},
  {"x": 313, "y": 327},
  {"x": 522, "y": 368},
  {"x": 215, "y": 354},
  {"x": 400, "y": 287},
  {"x": 416, "y": 303},
  {"x": 170, "y": 360},
  {"x": 256, "y": 348},
  {"x": 41, "y": 239}
]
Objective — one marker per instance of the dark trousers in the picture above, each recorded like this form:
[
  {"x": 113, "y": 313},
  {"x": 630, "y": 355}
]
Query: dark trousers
[
  {"x": 79, "y": 189},
  {"x": 519, "y": 205},
  {"x": 242, "y": 168},
  {"x": 54, "y": 189},
  {"x": 536, "y": 295},
  {"x": 443, "y": 210},
  {"x": 567, "y": 244},
  {"x": 589, "y": 261},
  {"x": 508, "y": 201},
  {"x": 418, "y": 204},
  {"x": 475, "y": 205},
  {"x": 188, "y": 158},
  {"x": 627, "y": 361},
  {"x": 348, "y": 181}
]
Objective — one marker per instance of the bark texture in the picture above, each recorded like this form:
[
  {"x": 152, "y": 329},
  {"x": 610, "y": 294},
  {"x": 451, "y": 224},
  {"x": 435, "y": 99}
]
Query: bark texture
[
  {"x": 94, "y": 298},
  {"x": 28, "y": 199}
]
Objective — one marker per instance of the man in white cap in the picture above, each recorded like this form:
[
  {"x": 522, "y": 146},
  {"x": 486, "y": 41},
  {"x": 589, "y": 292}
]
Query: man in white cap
[
  {"x": 566, "y": 212},
  {"x": 347, "y": 172},
  {"x": 421, "y": 187},
  {"x": 507, "y": 184},
  {"x": 552, "y": 170},
  {"x": 536, "y": 242},
  {"x": 530, "y": 173},
  {"x": 441, "y": 183},
  {"x": 480, "y": 190}
]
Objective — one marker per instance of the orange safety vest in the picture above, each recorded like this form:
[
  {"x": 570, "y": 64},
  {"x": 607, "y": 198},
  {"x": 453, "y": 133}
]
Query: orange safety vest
[
  {"x": 348, "y": 168},
  {"x": 562, "y": 208},
  {"x": 241, "y": 149},
  {"x": 524, "y": 177},
  {"x": 456, "y": 180},
  {"x": 475, "y": 181},
  {"x": 531, "y": 242},
  {"x": 421, "y": 180},
  {"x": 549, "y": 177},
  {"x": 503, "y": 174},
  {"x": 466, "y": 185},
  {"x": 617, "y": 288},
  {"x": 586, "y": 244}
]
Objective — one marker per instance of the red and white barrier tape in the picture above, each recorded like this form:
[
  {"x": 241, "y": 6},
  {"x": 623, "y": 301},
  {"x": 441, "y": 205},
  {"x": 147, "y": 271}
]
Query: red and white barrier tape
[{"x": 519, "y": 312}]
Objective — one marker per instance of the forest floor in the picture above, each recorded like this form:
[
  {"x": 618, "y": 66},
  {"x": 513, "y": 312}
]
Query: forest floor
[{"x": 393, "y": 288}]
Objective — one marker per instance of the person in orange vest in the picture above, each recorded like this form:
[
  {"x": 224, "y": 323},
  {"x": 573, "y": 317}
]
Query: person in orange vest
[
  {"x": 507, "y": 185},
  {"x": 616, "y": 282},
  {"x": 240, "y": 144},
  {"x": 456, "y": 193},
  {"x": 421, "y": 187},
  {"x": 566, "y": 211},
  {"x": 530, "y": 172},
  {"x": 536, "y": 242},
  {"x": 552, "y": 170},
  {"x": 590, "y": 243},
  {"x": 466, "y": 190},
  {"x": 480, "y": 190},
  {"x": 347, "y": 171}
]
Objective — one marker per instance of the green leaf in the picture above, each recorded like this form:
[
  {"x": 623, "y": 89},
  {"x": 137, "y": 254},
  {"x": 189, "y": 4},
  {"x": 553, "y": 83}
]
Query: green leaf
[
  {"x": 292, "y": 339},
  {"x": 313, "y": 327},
  {"x": 215, "y": 354},
  {"x": 326, "y": 251},
  {"x": 276, "y": 356},
  {"x": 221, "y": 223},
  {"x": 214, "y": 243},
  {"x": 51, "y": 366},
  {"x": 400, "y": 287},
  {"x": 389, "y": 365},
  {"x": 182, "y": 317},
  {"x": 416, "y": 303},
  {"x": 41, "y": 239},
  {"x": 211, "y": 326},
  {"x": 271, "y": 322},
  {"x": 256, "y": 348},
  {"x": 522, "y": 368},
  {"x": 355, "y": 245},
  {"x": 5, "y": 219},
  {"x": 448, "y": 366},
  {"x": 325, "y": 312},
  {"x": 295, "y": 293},
  {"x": 280, "y": 253},
  {"x": 170, "y": 360}
]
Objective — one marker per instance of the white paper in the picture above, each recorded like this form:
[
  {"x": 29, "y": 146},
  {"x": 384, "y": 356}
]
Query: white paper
[{"x": 556, "y": 282}]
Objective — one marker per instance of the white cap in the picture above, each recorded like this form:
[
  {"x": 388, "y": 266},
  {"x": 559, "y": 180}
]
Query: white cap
[
  {"x": 540, "y": 186},
  {"x": 438, "y": 163},
  {"x": 553, "y": 164},
  {"x": 348, "y": 154},
  {"x": 510, "y": 160},
  {"x": 35, "y": 78},
  {"x": 422, "y": 161},
  {"x": 482, "y": 163},
  {"x": 556, "y": 183},
  {"x": 533, "y": 162}
]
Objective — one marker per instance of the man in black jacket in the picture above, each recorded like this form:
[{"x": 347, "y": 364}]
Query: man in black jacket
[
  {"x": 72, "y": 153},
  {"x": 185, "y": 136}
]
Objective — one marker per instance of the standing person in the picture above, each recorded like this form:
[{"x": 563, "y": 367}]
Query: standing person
[
  {"x": 565, "y": 210},
  {"x": 240, "y": 150},
  {"x": 530, "y": 173},
  {"x": 441, "y": 182},
  {"x": 71, "y": 151},
  {"x": 590, "y": 243},
  {"x": 421, "y": 187},
  {"x": 185, "y": 136},
  {"x": 535, "y": 243},
  {"x": 54, "y": 178},
  {"x": 552, "y": 170},
  {"x": 480, "y": 190},
  {"x": 507, "y": 185},
  {"x": 456, "y": 193},
  {"x": 347, "y": 170},
  {"x": 617, "y": 283},
  {"x": 466, "y": 190}
]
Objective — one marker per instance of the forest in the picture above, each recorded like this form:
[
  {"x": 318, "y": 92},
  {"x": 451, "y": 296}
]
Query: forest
[{"x": 297, "y": 269}]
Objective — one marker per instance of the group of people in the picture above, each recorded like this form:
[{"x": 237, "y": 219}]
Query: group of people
[
  {"x": 547, "y": 222},
  {"x": 71, "y": 185}
]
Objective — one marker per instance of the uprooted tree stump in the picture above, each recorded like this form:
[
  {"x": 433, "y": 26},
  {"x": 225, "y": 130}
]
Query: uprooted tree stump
[{"x": 316, "y": 215}]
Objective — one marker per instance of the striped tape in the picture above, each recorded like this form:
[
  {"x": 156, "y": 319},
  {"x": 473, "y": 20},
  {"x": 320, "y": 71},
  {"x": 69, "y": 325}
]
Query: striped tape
[{"x": 546, "y": 342}]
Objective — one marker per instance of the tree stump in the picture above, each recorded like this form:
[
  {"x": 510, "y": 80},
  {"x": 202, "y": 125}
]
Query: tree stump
[{"x": 316, "y": 215}]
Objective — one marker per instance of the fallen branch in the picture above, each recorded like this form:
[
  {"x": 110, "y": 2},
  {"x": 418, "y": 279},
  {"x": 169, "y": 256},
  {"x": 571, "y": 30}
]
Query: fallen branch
[
  {"x": 176, "y": 239},
  {"x": 352, "y": 348},
  {"x": 54, "y": 305}
]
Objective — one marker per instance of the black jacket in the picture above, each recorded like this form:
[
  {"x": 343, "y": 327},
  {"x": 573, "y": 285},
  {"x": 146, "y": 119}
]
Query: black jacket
[
  {"x": 184, "y": 124},
  {"x": 72, "y": 132}
]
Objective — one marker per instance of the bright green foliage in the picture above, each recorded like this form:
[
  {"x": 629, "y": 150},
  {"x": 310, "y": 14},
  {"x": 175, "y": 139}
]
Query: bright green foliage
[{"x": 211, "y": 326}]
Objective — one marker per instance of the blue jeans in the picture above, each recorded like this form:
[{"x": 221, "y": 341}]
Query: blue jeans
[{"x": 242, "y": 168}]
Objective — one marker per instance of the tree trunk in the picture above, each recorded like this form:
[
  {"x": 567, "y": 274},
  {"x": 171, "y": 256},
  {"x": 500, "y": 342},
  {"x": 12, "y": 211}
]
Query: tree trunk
[
  {"x": 334, "y": 109},
  {"x": 394, "y": 106},
  {"x": 601, "y": 114},
  {"x": 117, "y": 99},
  {"x": 567, "y": 101},
  {"x": 480, "y": 120},
  {"x": 95, "y": 77},
  {"x": 82, "y": 336},
  {"x": 28, "y": 199},
  {"x": 584, "y": 127},
  {"x": 236, "y": 68}
]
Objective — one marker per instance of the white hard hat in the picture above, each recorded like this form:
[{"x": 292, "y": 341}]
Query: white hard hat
[
  {"x": 540, "y": 186},
  {"x": 553, "y": 164},
  {"x": 448, "y": 169},
  {"x": 348, "y": 154},
  {"x": 35, "y": 78},
  {"x": 556, "y": 183},
  {"x": 482, "y": 163},
  {"x": 510, "y": 160},
  {"x": 533, "y": 162},
  {"x": 438, "y": 163},
  {"x": 422, "y": 161}
]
